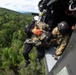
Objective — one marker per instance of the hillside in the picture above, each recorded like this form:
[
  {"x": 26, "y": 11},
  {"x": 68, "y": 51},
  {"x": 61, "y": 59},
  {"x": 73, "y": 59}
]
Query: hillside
[{"x": 12, "y": 39}]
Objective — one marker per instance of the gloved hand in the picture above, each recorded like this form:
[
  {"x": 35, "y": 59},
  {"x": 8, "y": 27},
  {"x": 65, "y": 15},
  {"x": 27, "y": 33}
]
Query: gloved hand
[
  {"x": 40, "y": 14},
  {"x": 58, "y": 52},
  {"x": 36, "y": 31},
  {"x": 55, "y": 31}
]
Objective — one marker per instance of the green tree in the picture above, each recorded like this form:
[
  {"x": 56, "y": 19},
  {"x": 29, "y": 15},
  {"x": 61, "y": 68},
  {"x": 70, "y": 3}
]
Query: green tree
[{"x": 12, "y": 37}]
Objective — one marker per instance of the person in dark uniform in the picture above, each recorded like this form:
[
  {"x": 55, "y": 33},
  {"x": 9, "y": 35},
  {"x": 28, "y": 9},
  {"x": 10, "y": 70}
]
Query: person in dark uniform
[
  {"x": 28, "y": 46},
  {"x": 36, "y": 35}
]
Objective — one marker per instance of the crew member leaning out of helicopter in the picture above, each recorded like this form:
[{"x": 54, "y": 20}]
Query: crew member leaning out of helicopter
[
  {"x": 37, "y": 32},
  {"x": 61, "y": 34}
]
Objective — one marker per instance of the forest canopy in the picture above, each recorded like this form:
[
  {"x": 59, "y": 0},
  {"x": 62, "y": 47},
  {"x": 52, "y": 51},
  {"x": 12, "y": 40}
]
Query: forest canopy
[{"x": 12, "y": 37}]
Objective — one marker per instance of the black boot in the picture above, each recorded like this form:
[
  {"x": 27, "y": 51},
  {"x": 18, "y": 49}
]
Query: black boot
[{"x": 26, "y": 63}]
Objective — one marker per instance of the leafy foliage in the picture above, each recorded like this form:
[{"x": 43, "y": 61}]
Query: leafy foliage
[{"x": 12, "y": 39}]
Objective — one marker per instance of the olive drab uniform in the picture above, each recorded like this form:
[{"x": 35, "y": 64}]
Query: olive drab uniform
[
  {"x": 36, "y": 39},
  {"x": 59, "y": 40}
]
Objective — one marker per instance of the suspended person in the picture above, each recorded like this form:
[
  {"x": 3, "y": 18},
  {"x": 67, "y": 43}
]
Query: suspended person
[{"x": 37, "y": 35}]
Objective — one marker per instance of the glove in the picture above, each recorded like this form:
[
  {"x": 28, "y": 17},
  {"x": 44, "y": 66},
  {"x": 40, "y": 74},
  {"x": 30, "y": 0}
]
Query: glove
[
  {"x": 55, "y": 31},
  {"x": 58, "y": 52},
  {"x": 36, "y": 31},
  {"x": 40, "y": 14}
]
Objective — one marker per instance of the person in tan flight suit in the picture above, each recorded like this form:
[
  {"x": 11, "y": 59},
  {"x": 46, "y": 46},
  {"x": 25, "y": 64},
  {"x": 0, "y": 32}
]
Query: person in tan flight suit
[{"x": 61, "y": 35}]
